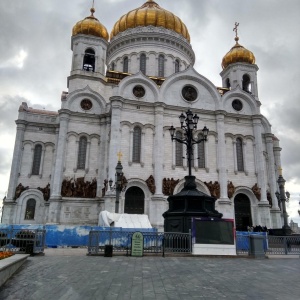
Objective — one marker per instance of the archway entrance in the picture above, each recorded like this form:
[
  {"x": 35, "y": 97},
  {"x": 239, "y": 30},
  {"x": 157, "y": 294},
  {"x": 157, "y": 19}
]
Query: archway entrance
[
  {"x": 242, "y": 210},
  {"x": 134, "y": 201}
]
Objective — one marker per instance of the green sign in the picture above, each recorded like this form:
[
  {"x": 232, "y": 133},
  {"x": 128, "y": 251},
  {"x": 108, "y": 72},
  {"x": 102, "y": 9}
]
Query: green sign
[{"x": 137, "y": 244}]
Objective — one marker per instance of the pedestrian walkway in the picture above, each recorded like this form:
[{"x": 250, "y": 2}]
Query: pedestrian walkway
[{"x": 69, "y": 274}]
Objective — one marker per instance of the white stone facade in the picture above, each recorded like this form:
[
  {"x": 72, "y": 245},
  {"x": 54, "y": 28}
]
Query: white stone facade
[{"x": 108, "y": 128}]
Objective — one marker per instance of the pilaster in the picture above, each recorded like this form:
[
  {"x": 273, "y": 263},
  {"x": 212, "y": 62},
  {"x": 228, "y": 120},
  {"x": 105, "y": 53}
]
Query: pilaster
[
  {"x": 16, "y": 161},
  {"x": 158, "y": 156}
]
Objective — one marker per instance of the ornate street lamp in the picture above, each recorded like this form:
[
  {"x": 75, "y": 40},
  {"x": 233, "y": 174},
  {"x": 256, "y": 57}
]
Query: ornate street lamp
[
  {"x": 282, "y": 196},
  {"x": 188, "y": 124},
  {"x": 118, "y": 187}
]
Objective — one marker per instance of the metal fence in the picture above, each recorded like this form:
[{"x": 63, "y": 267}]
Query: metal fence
[
  {"x": 22, "y": 240},
  {"x": 154, "y": 242},
  {"x": 283, "y": 245},
  {"x": 273, "y": 245}
]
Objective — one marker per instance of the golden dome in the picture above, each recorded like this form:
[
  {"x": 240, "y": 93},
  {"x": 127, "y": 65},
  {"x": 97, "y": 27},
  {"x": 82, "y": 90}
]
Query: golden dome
[
  {"x": 150, "y": 14},
  {"x": 238, "y": 54},
  {"x": 90, "y": 26}
]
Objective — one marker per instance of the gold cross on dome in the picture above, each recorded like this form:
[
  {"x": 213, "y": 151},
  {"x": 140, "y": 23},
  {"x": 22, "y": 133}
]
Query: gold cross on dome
[
  {"x": 119, "y": 155},
  {"x": 236, "y": 28}
]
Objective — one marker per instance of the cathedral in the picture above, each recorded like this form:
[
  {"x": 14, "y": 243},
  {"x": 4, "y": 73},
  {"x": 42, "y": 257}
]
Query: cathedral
[{"x": 125, "y": 90}]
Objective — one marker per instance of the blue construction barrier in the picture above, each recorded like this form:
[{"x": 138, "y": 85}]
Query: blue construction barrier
[
  {"x": 69, "y": 235},
  {"x": 243, "y": 240}
]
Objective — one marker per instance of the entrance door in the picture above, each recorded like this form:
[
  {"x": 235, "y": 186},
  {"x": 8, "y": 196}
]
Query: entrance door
[
  {"x": 134, "y": 201},
  {"x": 242, "y": 209}
]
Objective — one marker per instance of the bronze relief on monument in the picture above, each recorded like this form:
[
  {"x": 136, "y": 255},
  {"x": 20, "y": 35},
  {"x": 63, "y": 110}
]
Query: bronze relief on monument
[
  {"x": 189, "y": 93},
  {"x": 45, "y": 191},
  {"x": 151, "y": 184},
  {"x": 230, "y": 189},
  {"x": 19, "y": 190},
  {"x": 79, "y": 188},
  {"x": 256, "y": 191},
  {"x": 138, "y": 91},
  {"x": 86, "y": 104},
  {"x": 214, "y": 188},
  {"x": 169, "y": 186}
]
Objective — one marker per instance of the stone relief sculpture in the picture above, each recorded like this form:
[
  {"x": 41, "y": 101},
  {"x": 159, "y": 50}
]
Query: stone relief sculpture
[
  {"x": 169, "y": 186},
  {"x": 256, "y": 191},
  {"x": 79, "y": 188},
  {"x": 123, "y": 183},
  {"x": 45, "y": 191},
  {"x": 19, "y": 190},
  {"x": 214, "y": 188},
  {"x": 269, "y": 198},
  {"x": 230, "y": 189},
  {"x": 151, "y": 184}
]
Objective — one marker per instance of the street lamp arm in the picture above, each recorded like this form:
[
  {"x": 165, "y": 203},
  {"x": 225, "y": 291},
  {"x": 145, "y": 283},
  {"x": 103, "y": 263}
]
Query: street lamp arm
[
  {"x": 179, "y": 140},
  {"x": 199, "y": 141}
]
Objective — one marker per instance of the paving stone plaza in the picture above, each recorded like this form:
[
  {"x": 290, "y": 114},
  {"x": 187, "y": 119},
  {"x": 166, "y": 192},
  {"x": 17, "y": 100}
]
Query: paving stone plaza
[{"x": 70, "y": 274}]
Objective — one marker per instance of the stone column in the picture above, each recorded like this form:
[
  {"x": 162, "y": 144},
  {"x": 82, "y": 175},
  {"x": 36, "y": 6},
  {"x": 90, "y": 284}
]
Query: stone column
[
  {"x": 275, "y": 211},
  {"x": 16, "y": 161},
  {"x": 261, "y": 175},
  {"x": 115, "y": 136},
  {"x": 60, "y": 155},
  {"x": 223, "y": 204},
  {"x": 158, "y": 148},
  {"x": 157, "y": 202}
]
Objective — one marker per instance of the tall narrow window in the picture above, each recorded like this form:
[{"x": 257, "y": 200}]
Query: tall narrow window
[
  {"x": 125, "y": 65},
  {"x": 89, "y": 60},
  {"x": 201, "y": 152},
  {"x": 37, "y": 156},
  {"x": 30, "y": 209},
  {"x": 136, "y": 147},
  {"x": 178, "y": 150},
  {"x": 176, "y": 66},
  {"x": 239, "y": 154},
  {"x": 228, "y": 83},
  {"x": 143, "y": 63},
  {"x": 112, "y": 66},
  {"x": 161, "y": 66},
  {"x": 246, "y": 83},
  {"x": 82, "y": 152}
]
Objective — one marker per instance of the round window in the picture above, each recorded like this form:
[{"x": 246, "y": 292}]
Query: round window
[
  {"x": 138, "y": 91},
  {"x": 189, "y": 93},
  {"x": 237, "y": 104},
  {"x": 86, "y": 104}
]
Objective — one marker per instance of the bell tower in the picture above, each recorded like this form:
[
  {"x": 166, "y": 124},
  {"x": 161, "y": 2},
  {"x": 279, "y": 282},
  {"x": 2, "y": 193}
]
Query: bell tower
[
  {"x": 89, "y": 45},
  {"x": 239, "y": 68}
]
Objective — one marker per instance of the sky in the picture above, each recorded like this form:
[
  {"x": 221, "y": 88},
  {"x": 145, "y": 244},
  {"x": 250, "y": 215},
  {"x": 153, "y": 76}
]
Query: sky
[{"x": 35, "y": 60}]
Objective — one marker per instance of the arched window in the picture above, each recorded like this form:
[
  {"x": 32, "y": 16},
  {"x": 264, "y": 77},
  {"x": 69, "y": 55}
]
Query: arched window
[
  {"x": 143, "y": 63},
  {"x": 89, "y": 60},
  {"x": 37, "y": 156},
  {"x": 239, "y": 154},
  {"x": 201, "y": 152},
  {"x": 246, "y": 83},
  {"x": 125, "y": 65},
  {"x": 161, "y": 66},
  {"x": 177, "y": 66},
  {"x": 136, "y": 147},
  {"x": 30, "y": 209},
  {"x": 112, "y": 66},
  {"x": 134, "y": 201},
  {"x": 81, "y": 152},
  {"x": 228, "y": 83},
  {"x": 179, "y": 150}
]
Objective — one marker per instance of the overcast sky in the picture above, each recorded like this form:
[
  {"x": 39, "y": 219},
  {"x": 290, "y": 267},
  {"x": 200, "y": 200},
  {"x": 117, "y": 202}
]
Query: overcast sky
[{"x": 35, "y": 60}]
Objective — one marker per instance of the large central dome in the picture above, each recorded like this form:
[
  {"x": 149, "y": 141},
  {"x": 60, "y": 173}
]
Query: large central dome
[{"x": 150, "y": 14}]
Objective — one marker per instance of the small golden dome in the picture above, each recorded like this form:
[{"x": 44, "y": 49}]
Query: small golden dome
[
  {"x": 238, "y": 54},
  {"x": 150, "y": 14},
  {"x": 90, "y": 26}
]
